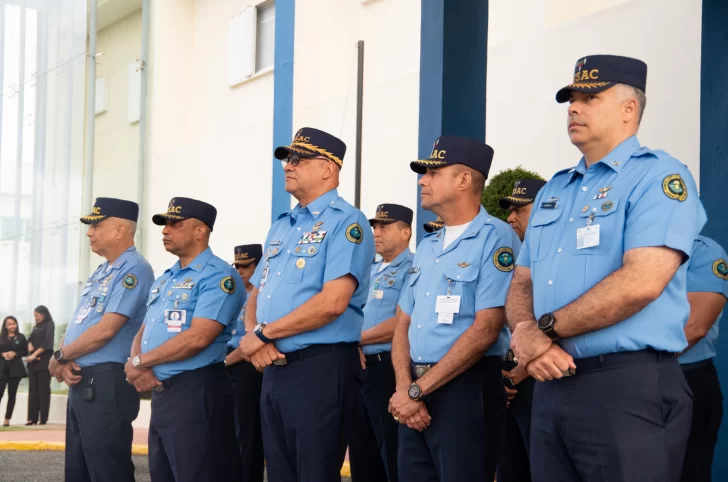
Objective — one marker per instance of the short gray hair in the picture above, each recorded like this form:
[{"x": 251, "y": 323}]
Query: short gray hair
[{"x": 627, "y": 92}]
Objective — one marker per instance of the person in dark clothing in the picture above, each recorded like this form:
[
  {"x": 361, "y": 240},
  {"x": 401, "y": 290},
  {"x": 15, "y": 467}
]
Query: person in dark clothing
[
  {"x": 13, "y": 346},
  {"x": 40, "y": 349}
]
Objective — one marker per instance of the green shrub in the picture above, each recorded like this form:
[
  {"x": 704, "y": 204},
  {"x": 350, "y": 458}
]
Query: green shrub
[{"x": 501, "y": 185}]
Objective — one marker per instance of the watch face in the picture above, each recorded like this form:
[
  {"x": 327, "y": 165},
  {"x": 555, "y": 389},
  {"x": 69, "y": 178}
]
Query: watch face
[
  {"x": 545, "y": 321},
  {"x": 414, "y": 391}
]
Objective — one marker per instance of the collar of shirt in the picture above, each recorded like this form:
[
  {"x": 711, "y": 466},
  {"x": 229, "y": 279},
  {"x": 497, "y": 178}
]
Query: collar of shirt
[
  {"x": 615, "y": 160},
  {"x": 317, "y": 206},
  {"x": 475, "y": 226},
  {"x": 197, "y": 264},
  {"x": 119, "y": 262},
  {"x": 399, "y": 259}
]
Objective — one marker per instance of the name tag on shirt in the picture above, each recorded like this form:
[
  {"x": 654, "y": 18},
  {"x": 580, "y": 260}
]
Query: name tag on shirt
[
  {"x": 587, "y": 237},
  {"x": 174, "y": 319},
  {"x": 446, "y": 307},
  {"x": 378, "y": 294},
  {"x": 83, "y": 314}
]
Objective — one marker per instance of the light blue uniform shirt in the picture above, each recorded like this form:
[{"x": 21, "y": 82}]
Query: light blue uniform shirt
[
  {"x": 479, "y": 265},
  {"x": 386, "y": 285},
  {"x": 305, "y": 249},
  {"x": 636, "y": 197},
  {"x": 238, "y": 328},
  {"x": 207, "y": 288},
  {"x": 122, "y": 288},
  {"x": 707, "y": 273}
]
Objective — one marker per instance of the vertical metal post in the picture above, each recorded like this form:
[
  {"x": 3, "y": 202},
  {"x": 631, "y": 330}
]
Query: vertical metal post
[
  {"x": 143, "y": 61},
  {"x": 88, "y": 171},
  {"x": 359, "y": 109}
]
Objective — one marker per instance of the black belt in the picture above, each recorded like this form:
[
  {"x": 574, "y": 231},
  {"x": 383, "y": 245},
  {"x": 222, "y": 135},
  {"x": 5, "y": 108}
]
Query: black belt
[
  {"x": 687, "y": 367},
  {"x": 101, "y": 368},
  {"x": 620, "y": 359},
  {"x": 419, "y": 369},
  {"x": 379, "y": 357},
  {"x": 190, "y": 375},
  {"x": 312, "y": 350}
]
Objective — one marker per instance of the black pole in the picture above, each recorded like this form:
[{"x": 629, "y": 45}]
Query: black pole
[{"x": 359, "y": 102}]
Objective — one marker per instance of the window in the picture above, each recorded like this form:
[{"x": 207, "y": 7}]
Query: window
[
  {"x": 251, "y": 41},
  {"x": 265, "y": 36}
]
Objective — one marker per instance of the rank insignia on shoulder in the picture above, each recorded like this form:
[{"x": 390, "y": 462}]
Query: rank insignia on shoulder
[
  {"x": 503, "y": 259},
  {"x": 354, "y": 233},
  {"x": 720, "y": 269},
  {"x": 130, "y": 281},
  {"x": 674, "y": 187},
  {"x": 228, "y": 285}
]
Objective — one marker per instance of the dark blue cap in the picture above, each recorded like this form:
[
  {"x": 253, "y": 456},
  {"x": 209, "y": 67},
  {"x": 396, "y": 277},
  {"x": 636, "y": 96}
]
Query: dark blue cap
[
  {"x": 181, "y": 208},
  {"x": 109, "y": 207},
  {"x": 597, "y": 73},
  {"x": 524, "y": 192},
  {"x": 432, "y": 226},
  {"x": 390, "y": 213},
  {"x": 309, "y": 142},
  {"x": 246, "y": 254},
  {"x": 449, "y": 150}
]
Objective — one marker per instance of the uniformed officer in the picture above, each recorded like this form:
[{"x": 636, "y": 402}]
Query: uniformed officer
[
  {"x": 707, "y": 285},
  {"x": 514, "y": 464},
  {"x": 101, "y": 405},
  {"x": 247, "y": 381},
  {"x": 310, "y": 290},
  {"x": 432, "y": 226},
  {"x": 392, "y": 228},
  {"x": 180, "y": 349},
  {"x": 450, "y": 336},
  {"x": 602, "y": 270}
]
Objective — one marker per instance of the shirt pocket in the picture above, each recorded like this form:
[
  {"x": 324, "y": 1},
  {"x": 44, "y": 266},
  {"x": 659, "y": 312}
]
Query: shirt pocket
[
  {"x": 461, "y": 280},
  {"x": 606, "y": 218},
  {"x": 305, "y": 260},
  {"x": 541, "y": 232}
]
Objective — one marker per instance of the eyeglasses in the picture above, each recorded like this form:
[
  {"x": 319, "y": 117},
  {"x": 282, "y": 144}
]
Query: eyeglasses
[{"x": 294, "y": 160}]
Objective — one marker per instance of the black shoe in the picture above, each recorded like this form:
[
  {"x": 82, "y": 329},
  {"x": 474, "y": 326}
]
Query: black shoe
[
  {"x": 42, "y": 423},
  {"x": 30, "y": 423}
]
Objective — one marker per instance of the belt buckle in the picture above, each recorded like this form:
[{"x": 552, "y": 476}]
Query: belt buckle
[
  {"x": 159, "y": 389},
  {"x": 420, "y": 370},
  {"x": 280, "y": 362}
]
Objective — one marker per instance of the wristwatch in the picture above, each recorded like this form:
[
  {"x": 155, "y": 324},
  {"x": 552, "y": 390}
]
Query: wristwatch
[
  {"x": 547, "y": 324},
  {"x": 58, "y": 355},
  {"x": 136, "y": 361},
  {"x": 258, "y": 330},
  {"x": 415, "y": 392}
]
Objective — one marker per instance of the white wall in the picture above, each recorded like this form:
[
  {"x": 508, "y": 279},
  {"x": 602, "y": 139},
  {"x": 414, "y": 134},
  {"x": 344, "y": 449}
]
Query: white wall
[
  {"x": 324, "y": 94},
  {"x": 532, "y": 52},
  {"x": 206, "y": 140}
]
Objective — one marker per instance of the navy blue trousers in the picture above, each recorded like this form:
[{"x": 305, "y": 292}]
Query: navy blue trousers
[
  {"x": 306, "y": 412},
  {"x": 247, "y": 384},
  {"x": 514, "y": 465},
  {"x": 99, "y": 431},
  {"x": 463, "y": 441},
  {"x": 622, "y": 417},
  {"x": 707, "y": 415},
  {"x": 373, "y": 445},
  {"x": 191, "y": 434}
]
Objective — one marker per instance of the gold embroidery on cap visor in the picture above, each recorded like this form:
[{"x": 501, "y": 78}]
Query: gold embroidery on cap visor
[
  {"x": 526, "y": 200},
  {"x": 93, "y": 218},
  {"x": 307, "y": 148},
  {"x": 587, "y": 85}
]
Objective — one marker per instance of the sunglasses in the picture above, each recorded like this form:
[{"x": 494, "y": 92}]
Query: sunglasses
[{"x": 294, "y": 160}]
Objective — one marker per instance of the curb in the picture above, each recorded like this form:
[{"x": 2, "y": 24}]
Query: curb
[
  {"x": 57, "y": 446},
  {"x": 135, "y": 450}
]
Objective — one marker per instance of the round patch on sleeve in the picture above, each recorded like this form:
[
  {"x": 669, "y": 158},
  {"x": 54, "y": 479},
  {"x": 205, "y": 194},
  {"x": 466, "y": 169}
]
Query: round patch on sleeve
[
  {"x": 720, "y": 269},
  {"x": 130, "y": 281},
  {"x": 228, "y": 285},
  {"x": 354, "y": 233},
  {"x": 674, "y": 187},
  {"x": 503, "y": 259}
]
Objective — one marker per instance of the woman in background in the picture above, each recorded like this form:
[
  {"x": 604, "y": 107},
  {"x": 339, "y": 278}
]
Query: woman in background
[
  {"x": 40, "y": 349},
  {"x": 13, "y": 346}
]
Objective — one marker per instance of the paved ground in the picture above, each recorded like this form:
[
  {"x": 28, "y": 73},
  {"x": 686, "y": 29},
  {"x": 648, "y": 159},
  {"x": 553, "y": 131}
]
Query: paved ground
[{"x": 23, "y": 466}]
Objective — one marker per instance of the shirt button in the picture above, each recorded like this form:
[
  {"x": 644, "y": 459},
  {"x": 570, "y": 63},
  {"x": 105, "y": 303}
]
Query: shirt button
[
  {"x": 268, "y": 296},
  {"x": 145, "y": 342},
  {"x": 427, "y": 294},
  {"x": 558, "y": 250},
  {"x": 571, "y": 220},
  {"x": 278, "y": 273},
  {"x": 419, "y": 326},
  {"x": 458, "y": 276},
  {"x": 551, "y": 282},
  {"x": 419, "y": 358},
  {"x": 289, "y": 251},
  {"x": 299, "y": 228},
  {"x": 437, "y": 261},
  {"x": 584, "y": 188}
]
